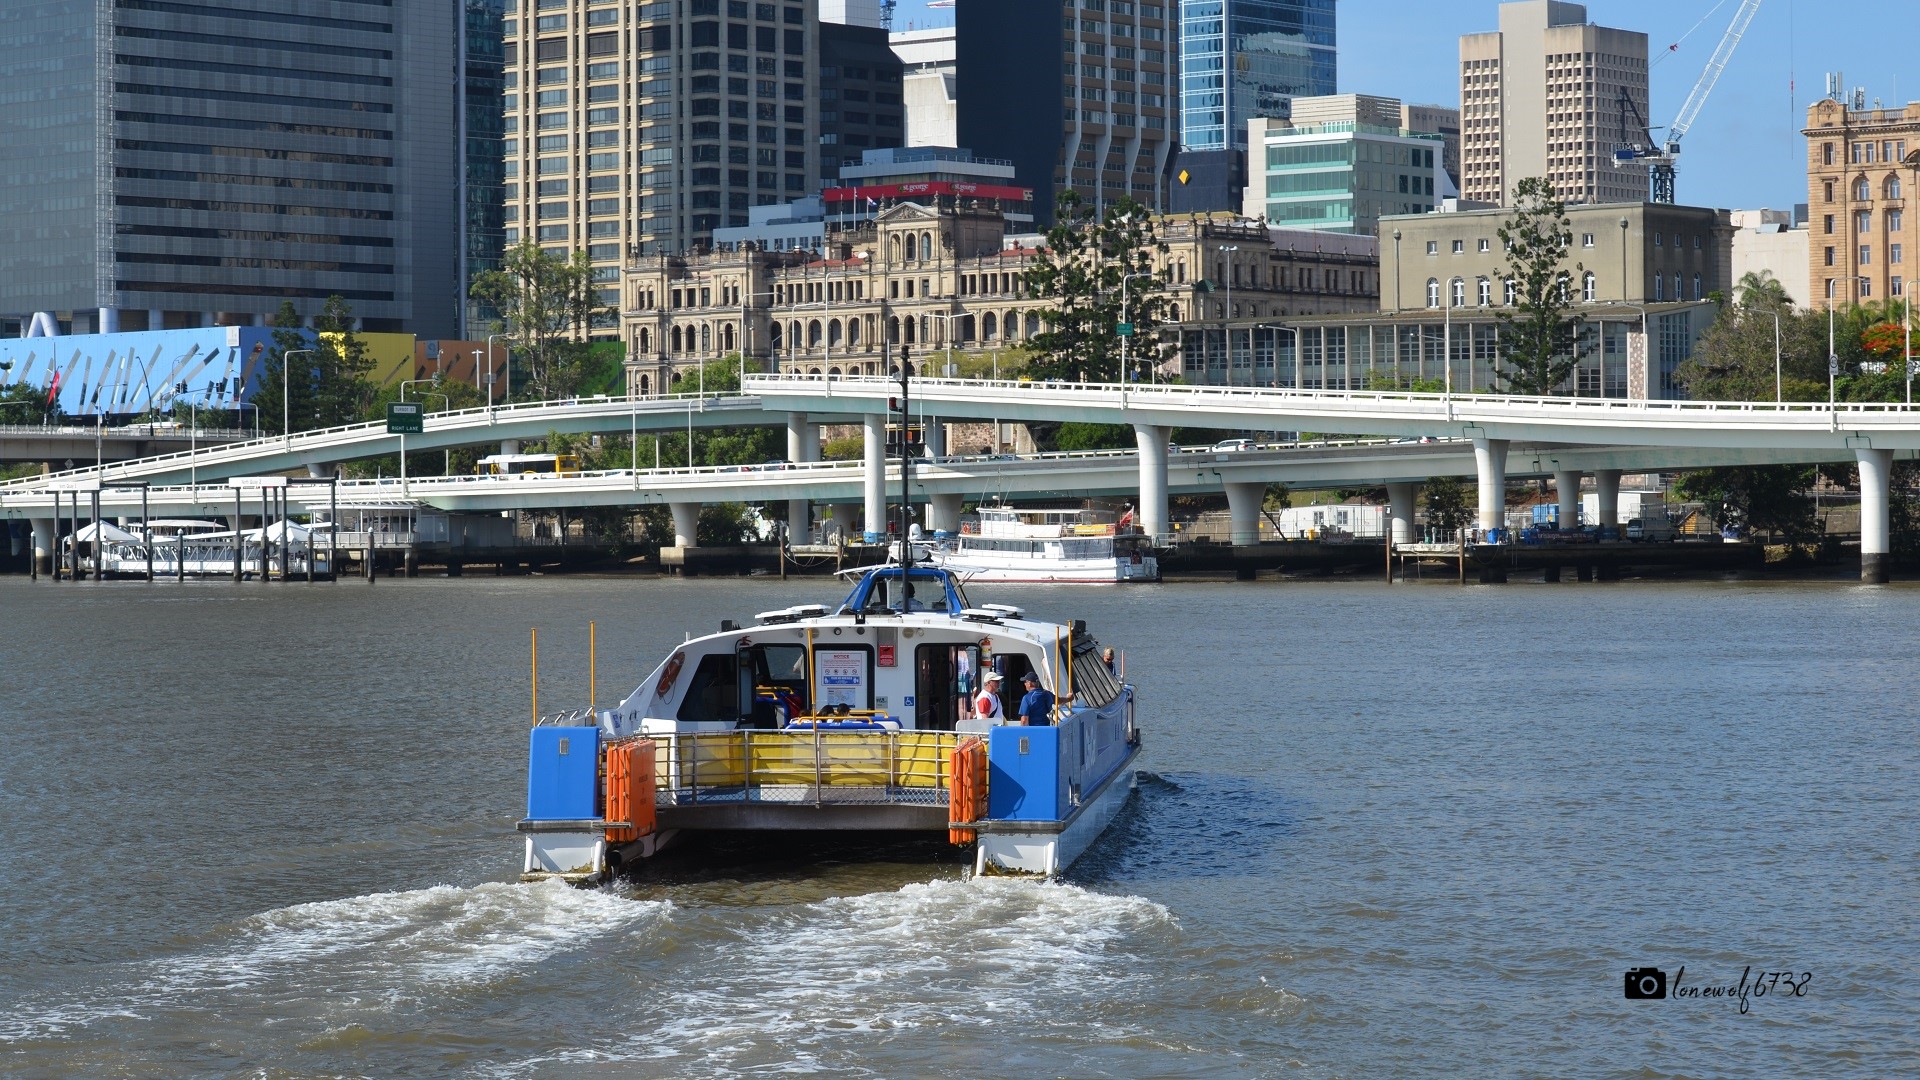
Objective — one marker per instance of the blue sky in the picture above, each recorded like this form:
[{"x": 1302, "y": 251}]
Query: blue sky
[{"x": 1744, "y": 151}]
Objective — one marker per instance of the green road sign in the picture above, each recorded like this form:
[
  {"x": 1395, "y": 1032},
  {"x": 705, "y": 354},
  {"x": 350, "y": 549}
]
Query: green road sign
[
  {"x": 1125, "y": 329},
  {"x": 406, "y": 418}
]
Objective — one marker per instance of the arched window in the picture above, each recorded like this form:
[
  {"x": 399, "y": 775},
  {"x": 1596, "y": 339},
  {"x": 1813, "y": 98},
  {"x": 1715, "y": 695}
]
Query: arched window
[
  {"x": 645, "y": 382},
  {"x": 893, "y": 329},
  {"x": 1512, "y": 292},
  {"x": 853, "y": 333},
  {"x": 1678, "y": 293},
  {"x": 1697, "y": 294},
  {"x": 793, "y": 334},
  {"x": 1433, "y": 292},
  {"x": 1862, "y": 191},
  {"x": 1891, "y": 187},
  {"x": 1590, "y": 289},
  {"x": 1180, "y": 272},
  {"x": 726, "y": 338},
  {"x": 1030, "y": 327},
  {"x": 706, "y": 338},
  {"x": 813, "y": 334},
  {"x": 833, "y": 333},
  {"x": 926, "y": 245},
  {"x": 913, "y": 248},
  {"x": 676, "y": 339},
  {"x": 646, "y": 341},
  {"x": 1458, "y": 289},
  {"x": 989, "y": 327},
  {"x": 832, "y": 371},
  {"x": 893, "y": 249},
  {"x": 1486, "y": 292},
  {"x": 1659, "y": 287},
  {"x": 815, "y": 370}
]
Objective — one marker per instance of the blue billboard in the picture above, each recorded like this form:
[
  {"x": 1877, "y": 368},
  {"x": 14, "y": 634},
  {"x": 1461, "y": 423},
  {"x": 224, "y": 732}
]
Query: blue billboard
[{"x": 126, "y": 374}]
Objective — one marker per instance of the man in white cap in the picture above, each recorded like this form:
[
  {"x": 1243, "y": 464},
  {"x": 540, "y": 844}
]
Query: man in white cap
[{"x": 986, "y": 705}]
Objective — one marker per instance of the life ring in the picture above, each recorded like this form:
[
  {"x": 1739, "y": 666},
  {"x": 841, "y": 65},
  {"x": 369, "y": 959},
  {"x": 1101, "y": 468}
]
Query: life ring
[{"x": 671, "y": 674}]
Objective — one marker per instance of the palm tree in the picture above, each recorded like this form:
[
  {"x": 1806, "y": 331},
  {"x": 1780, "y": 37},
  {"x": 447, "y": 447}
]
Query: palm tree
[{"x": 1760, "y": 289}]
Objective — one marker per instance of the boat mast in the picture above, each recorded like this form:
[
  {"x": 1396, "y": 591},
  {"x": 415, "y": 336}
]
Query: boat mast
[{"x": 904, "y": 372}]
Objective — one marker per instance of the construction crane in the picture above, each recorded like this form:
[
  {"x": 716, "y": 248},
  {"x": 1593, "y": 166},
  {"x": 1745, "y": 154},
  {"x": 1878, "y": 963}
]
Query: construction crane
[{"x": 1659, "y": 157}]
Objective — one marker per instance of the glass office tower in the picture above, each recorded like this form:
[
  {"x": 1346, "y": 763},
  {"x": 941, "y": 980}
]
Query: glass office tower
[
  {"x": 1245, "y": 58},
  {"x": 167, "y": 165}
]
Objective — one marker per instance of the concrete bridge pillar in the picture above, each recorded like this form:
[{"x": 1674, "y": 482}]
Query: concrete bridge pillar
[
  {"x": 1243, "y": 508},
  {"x": 1490, "y": 465},
  {"x": 43, "y": 545},
  {"x": 1876, "y": 473},
  {"x": 509, "y": 446},
  {"x": 1153, "y": 479},
  {"x": 686, "y": 522},
  {"x": 1400, "y": 512},
  {"x": 1566, "y": 485},
  {"x": 943, "y": 514},
  {"x": 936, "y": 437},
  {"x": 803, "y": 444},
  {"x": 876, "y": 478},
  {"x": 1606, "y": 487}
]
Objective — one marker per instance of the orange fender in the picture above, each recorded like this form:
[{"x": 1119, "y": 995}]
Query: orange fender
[
  {"x": 629, "y": 789},
  {"x": 966, "y": 788}
]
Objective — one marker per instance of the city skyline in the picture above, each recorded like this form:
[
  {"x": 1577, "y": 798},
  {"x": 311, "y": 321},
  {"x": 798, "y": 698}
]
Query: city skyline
[{"x": 1744, "y": 152}]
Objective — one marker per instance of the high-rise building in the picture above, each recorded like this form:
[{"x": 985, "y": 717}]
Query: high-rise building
[
  {"x": 860, "y": 106},
  {"x": 175, "y": 165},
  {"x": 1344, "y": 168},
  {"x": 1076, "y": 96},
  {"x": 927, "y": 85},
  {"x": 1551, "y": 95},
  {"x": 1241, "y": 60},
  {"x": 1859, "y": 160},
  {"x": 481, "y": 77},
  {"x": 641, "y": 128}
]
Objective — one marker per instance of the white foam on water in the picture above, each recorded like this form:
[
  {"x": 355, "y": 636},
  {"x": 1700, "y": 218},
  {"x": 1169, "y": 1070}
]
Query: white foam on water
[
  {"x": 379, "y": 949},
  {"x": 798, "y": 989}
]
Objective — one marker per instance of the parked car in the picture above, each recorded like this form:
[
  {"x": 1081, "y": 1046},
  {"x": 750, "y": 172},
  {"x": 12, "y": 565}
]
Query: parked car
[{"x": 1233, "y": 444}]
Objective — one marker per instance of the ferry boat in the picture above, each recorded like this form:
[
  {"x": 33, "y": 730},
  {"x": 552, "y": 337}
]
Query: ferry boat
[
  {"x": 192, "y": 548},
  {"x": 1007, "y": 544},
  {"x": 856, "y": 718}
]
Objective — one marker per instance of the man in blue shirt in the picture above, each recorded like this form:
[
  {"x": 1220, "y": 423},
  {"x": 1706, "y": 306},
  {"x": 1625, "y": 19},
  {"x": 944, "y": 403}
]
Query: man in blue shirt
[{"x": 1036, "y": 708}]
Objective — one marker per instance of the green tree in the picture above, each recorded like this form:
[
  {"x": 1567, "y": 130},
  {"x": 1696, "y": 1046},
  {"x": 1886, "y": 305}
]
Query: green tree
[
  {"x": 1771, "y": 498},
  {"x": 1446, "y": 503},
  {"x": 1538, "y": 336},
  {"x": 1078, "y": 436},
  {"x": 1734, "y": 359},
  {"x": 314, "y": 379},
  {"x": 1081, "y": 271},
  {"x": 547, "y": 303}
]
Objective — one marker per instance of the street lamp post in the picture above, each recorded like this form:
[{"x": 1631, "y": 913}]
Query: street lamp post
[
  {"x": 1226, "y": 327},
  {"x": 1906, "y": 350},
  {"x": 505, "y": 366},
  {"x": 1398, "y": 271},
  {"x": 1624, "y": 223},
  {"x": 1126, "y": 317},
  {"x": 1776, "y": 364},
  {"x": 286, "y": 393}
]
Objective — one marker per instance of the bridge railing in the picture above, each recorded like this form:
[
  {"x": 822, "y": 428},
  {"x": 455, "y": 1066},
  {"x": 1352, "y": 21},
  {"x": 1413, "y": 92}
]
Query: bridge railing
[
  {"x": 866, "y": 386},
  {"x": 304, "y": 440}
]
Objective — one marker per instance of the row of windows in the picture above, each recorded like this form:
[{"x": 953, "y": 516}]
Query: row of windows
[
  {"x": 1890, "y": 151},
  {"x": 1895, "y": 255},
  {"x": 1863, "y": 189},
  {"x": 1589, "y": 290}
]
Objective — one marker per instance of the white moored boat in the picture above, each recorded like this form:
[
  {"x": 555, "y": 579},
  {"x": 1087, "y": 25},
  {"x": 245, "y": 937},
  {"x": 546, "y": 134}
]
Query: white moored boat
[
  {"x": 855, "y": 718},
  {"x": 1047, "y": 544}
]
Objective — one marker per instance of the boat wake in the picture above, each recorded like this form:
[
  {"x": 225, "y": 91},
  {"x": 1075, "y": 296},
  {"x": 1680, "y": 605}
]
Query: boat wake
[
  {"x": 382, "y": 951},
  {"x": 808, "y": 987}
]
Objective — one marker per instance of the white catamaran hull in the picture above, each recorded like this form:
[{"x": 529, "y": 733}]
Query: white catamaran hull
[
  {"x": 1047, "y": 848},
  {"x": 1029, "y": 571}
]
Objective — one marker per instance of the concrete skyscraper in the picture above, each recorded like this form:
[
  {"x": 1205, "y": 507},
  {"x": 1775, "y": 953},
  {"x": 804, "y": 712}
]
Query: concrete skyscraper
[
  {"x": 1074, "y": 95},
  {"x": 170, "y": 165},
  {"x": 638, "y": 129},
  {"x": 1242, "y": 59},
  {"x": 1545, "y": 95}
]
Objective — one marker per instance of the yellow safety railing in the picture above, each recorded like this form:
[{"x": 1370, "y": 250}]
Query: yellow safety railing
[{"x": 693, "y": 766}]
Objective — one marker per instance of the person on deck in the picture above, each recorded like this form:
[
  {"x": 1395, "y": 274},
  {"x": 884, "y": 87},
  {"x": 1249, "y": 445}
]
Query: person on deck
[
  {"x": 986, "y": 705},
  {"x": 1036, "y": 708}
]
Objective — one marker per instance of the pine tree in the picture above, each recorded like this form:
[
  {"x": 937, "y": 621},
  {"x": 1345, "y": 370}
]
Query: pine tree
[
  {"x": 1538, "y": 336},
  {"x": 1097, "y": 269}
]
